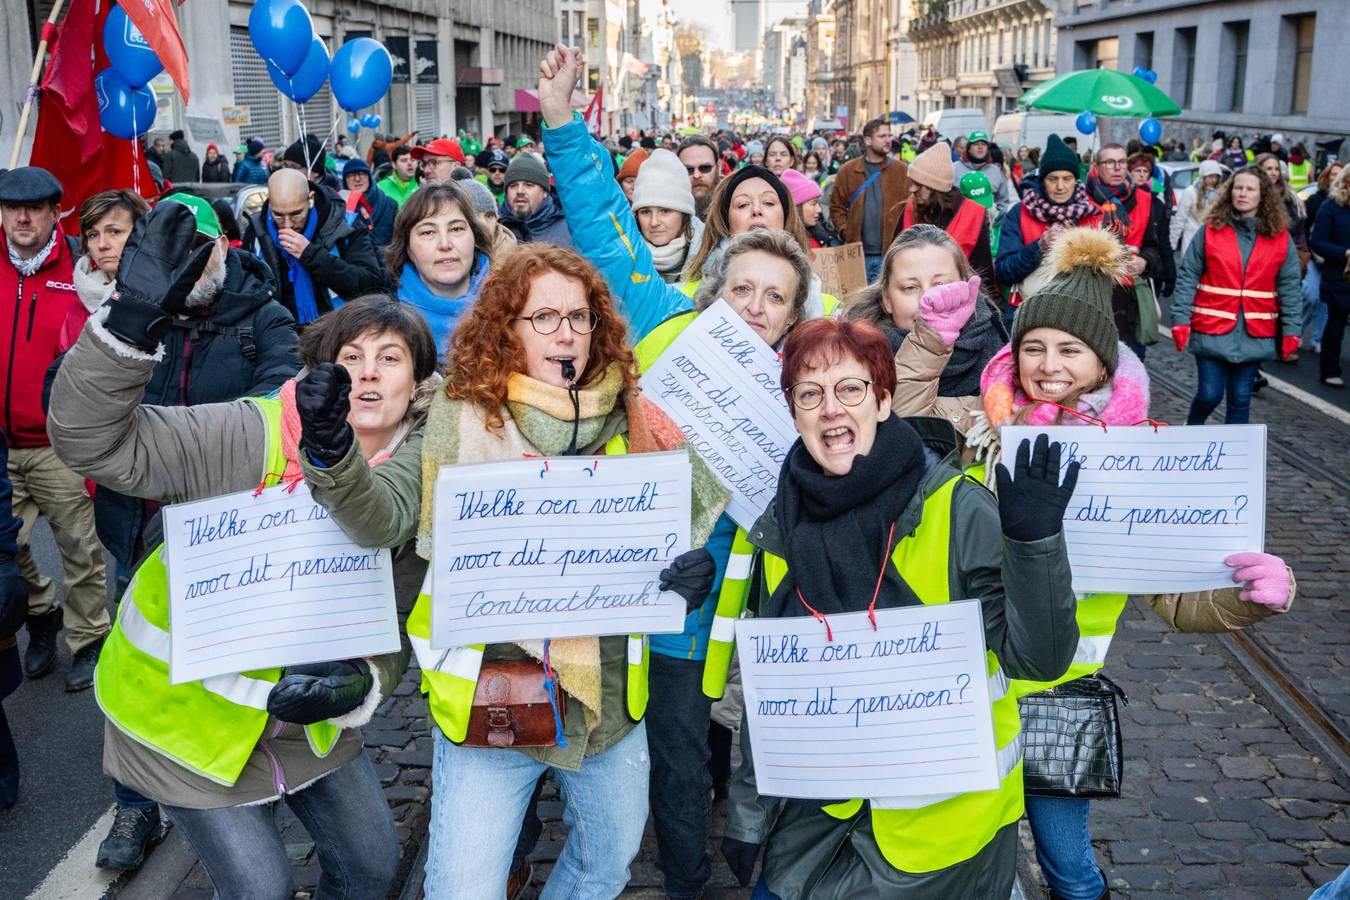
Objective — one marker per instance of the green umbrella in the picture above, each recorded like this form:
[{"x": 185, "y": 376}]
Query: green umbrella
[{"x": 1104, "y": 92}]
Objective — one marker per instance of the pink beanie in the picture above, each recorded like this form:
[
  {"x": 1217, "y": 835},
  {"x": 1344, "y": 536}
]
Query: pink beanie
[{"x": 799, "y": 186}]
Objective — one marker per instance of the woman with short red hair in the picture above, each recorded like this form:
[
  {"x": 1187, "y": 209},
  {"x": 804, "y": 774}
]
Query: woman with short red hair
[{"x": 862, "y": 498}]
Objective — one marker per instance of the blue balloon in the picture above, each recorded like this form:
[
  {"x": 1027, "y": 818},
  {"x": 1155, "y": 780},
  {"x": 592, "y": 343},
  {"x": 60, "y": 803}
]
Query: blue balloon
[
  {"x": 362, "y": 70},
  {"x": 306, "y": 82},
  {"x": 375, "y": 120},
  {"x": 1086, "y": 122},
  {"x": 129, "y": 54},
  {"x": 353, "y": 126},
  {"x": 1150, "y": 130},
  {"x": 123, "y": 111},
  {"x": 1139, "y": 72},
  {"x": 368, "y": 120},
  {"x": 1151, "y": 76},
  {"x": 282, "y": 33}
]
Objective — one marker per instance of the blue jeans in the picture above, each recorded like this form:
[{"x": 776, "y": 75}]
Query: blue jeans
[
  {"x": 127, "y": 798},
  {"x": 1314, "y": 310},
  {"x": 681, "y": 785},
  {"x": 1335, "y": 890},
  {"x": 478, "y": 797},
  {"x": 1064, "y": 847},
  {"x": 872, "y": 262},
  {"x": 345, "y": 812},
  {"x": 1214, "y": 377}
]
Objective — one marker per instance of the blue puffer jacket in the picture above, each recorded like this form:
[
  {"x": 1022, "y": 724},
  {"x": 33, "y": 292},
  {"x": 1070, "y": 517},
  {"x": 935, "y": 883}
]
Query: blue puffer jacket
[
  {"x": 250, "y": 170},
  {"x": 605, "y": 232}
]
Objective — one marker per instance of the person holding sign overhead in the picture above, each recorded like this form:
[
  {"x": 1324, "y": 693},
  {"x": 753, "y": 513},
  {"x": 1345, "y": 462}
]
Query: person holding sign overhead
[
  {"x": 872, "y": 512},
  {"x": 539, "y": 366},
  {"x": 216, "y": 754},
  {"x": 1066, "y": 365}
]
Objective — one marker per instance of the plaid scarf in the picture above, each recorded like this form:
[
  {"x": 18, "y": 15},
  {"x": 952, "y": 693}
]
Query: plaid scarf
[
  {"x": 1071, "y": 212},
  {"x": 1114, "y": 201}
]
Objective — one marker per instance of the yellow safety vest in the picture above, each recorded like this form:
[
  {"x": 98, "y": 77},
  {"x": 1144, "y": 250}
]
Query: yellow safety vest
[
  {"x": 925, "y": 834},
  {"x": 1300, "y": 175},
  {"x": 1097, "y": 615},
  {"x": 450, "y": 677},
  {"x": 211, "y": 726}
]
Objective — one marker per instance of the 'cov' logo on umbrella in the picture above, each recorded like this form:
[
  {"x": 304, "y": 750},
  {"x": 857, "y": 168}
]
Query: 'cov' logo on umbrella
[{"x": 1115, "y": 101}]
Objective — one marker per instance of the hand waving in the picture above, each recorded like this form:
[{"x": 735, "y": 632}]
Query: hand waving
[
  {"x": 559, "y": 72},
  {"x": 1031, "y": 505},
  {"x": 947, "y": 307}
]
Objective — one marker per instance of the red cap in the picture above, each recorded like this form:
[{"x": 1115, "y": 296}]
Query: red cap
[{"x": 440, "y": 147}]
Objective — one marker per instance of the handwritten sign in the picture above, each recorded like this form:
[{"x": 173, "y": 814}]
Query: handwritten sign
[
  {"x": 559, "y": 547},
  {"x": 719, "y": 382},
  {"x": 899, "y": 711},
  {"x": 1157, "y": 511},
  {"x": 842, "y": 270},
  {"x": 271, "y": 580}
]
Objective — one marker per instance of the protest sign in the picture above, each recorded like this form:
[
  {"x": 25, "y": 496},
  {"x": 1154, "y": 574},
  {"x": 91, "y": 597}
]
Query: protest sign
[
  {"x": 902, "y": 710},
  {"x": 257, "y": 581},
  {"x": 560, "y": 547},
  {"x": 1157, "y": 510},
  {"x": 719, "y": 382},
  {"x": 842, "y": 270}
]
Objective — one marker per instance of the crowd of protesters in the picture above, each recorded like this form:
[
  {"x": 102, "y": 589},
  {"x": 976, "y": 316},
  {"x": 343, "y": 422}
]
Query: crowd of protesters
[{"x": 445, "y": 302}]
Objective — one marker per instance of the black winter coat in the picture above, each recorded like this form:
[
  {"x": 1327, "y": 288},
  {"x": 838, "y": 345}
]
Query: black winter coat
[
  {"x": 180, "y": 164},
  {"x": 1330, "y": 240},
  {"x": 245, "y": 346},
  {"x": 216, "y": 171},
  {"x": 351, "y": 272}
]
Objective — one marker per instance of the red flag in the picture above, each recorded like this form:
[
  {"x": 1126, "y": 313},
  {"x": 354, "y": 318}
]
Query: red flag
[
  {"x": 594, "y": 111},
  {"x": 68, "y": 140},
  {"x": 156, "y": 22}
]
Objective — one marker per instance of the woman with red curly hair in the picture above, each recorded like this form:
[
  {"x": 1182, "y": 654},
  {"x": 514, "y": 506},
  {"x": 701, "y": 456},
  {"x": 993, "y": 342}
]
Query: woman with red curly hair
[{"x": 539, "y": 366}]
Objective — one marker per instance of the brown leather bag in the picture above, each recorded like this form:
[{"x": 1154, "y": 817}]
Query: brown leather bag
[{"x": 511, "y": 706}]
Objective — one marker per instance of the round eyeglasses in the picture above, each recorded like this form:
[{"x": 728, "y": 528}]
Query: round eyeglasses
[
  {"x": 810, "y": 394},
  {"x": 547, "y": 321}
]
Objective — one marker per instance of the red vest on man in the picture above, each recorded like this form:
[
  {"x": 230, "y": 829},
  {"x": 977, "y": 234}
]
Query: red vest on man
[
  {"x": 1143, "y": 211},
  {"x": 1227, "y": 288},
  {"x": 964, "y": 227}
]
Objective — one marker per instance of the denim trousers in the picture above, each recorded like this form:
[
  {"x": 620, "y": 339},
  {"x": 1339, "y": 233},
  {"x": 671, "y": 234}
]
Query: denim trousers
[
  {"x": 1314, "y": 310},
  {"x": 1064, "y": 847},
  {"x": 872, "y": 263},
  {"x": 681, "y": 789},
  {"x": 129, "y": 798},
  {"x": 1215, "y": 377},
  {"x": 1335, "y": 890},
  {"x": 345, "y": 812},
  {"x": 479, "y": 795}
]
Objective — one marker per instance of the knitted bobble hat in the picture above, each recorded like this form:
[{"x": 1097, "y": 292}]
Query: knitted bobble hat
[
  {"x": 1087, "y": 263},
  {"x": 933, "y": 168},
  {"x": 662, "y": 181}
]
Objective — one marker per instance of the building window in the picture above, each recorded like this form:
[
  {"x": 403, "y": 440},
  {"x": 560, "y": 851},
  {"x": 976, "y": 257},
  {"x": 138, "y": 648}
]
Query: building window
[
  {"x": 1183, "y": 65},
  {"x": 1108, "y": 53},
  {"x": 1143, "y": 49},
  {"x": 565, "y": 33},
  {"x": 1303, "y": 27},
  {"x": 593, "y": 33},
  {"x": 1234, "y": 57}
]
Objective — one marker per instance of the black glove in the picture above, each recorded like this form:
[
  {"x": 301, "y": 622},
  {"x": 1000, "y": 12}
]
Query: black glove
[
  {"x": 13, "y": 599},
  {"x": 741, "y": 857},
  {"x": 321, "y": 400},
  {"x": 690, "y": 575},
  {"x": 157, "y": 271},
  {"x": 319, "y": 691},
  {"x": 1031, "y": 506}
]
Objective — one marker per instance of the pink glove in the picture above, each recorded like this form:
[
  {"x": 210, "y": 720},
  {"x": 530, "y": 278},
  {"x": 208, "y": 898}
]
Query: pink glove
[
  {"x": 947, "y": 307},
  {"x": 1264, "y": 578}
]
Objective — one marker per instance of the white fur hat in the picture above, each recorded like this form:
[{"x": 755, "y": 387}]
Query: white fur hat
[{"x": 662, "y": 181}]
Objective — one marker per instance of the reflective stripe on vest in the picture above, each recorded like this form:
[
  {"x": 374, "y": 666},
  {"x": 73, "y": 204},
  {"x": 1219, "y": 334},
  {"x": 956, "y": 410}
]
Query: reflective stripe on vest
[
  {"x": 964, "y": 228},
  {"x": 1230, "y": 288},
  {"x": 209, "y": 727},
  {"x": 929, "y": 833},
  {"x": 732, "y": 600},
  {"x": 450, "y": 676}
]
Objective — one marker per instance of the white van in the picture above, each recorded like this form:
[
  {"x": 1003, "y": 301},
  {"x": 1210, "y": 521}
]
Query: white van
[
  {"x": 1034, "y": 129},
  {"x": 954, "y": 123}
]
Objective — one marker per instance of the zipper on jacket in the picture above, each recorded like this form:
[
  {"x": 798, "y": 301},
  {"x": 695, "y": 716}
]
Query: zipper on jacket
[
  {"x": 9, "y": 372},
  {"x": 32, "y": 314},
  {"x": 278, "y": 776}
]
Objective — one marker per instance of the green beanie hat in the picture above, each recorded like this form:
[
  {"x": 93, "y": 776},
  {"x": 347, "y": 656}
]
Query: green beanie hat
[
  {"x": 1087, "y": 264},
  {"x": 208, "y": 225},
  {"x": 1058, "y": 158}
]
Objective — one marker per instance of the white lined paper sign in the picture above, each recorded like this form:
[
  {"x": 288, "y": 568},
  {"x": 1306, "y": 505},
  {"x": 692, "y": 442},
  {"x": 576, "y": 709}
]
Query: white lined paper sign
[
  {"x": 270, "y": 580},
  {"x": 899, "y": 711},
  {"x": 559, "y": 547},
  {"x": 1157, "y": 510},
  {"x": 718, "y": 381}
]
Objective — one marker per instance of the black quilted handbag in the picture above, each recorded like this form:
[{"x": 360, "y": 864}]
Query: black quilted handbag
[{"x": 1071, "y": 739}]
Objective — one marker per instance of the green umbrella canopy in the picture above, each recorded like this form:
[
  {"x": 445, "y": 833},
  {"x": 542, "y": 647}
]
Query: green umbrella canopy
[{"x": 1104, "y": 92}]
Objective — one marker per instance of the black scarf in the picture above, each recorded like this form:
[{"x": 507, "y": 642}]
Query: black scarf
[
  {"x": 980, "y": 338},
  {"x": 835, "y": 527}
]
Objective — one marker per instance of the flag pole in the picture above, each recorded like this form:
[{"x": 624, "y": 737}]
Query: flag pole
[{"x": 48, "y": 30}]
